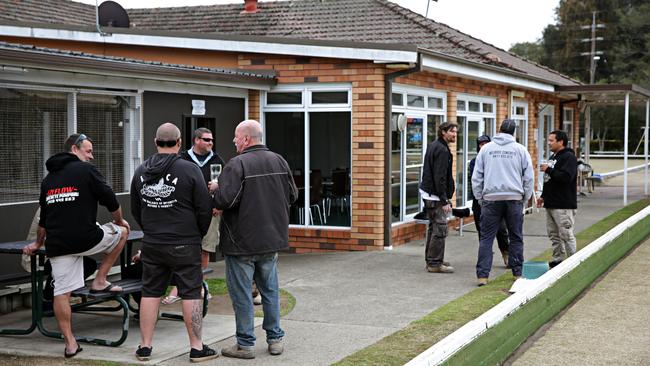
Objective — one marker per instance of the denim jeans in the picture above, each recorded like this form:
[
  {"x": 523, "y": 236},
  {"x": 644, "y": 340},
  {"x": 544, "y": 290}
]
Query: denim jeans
[
  {"x": 492, "y": 214},
  {"x": 240, "y": 273}
]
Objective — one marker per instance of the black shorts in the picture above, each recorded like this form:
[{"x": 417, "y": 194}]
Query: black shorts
[{"x": 178, "y": 263}]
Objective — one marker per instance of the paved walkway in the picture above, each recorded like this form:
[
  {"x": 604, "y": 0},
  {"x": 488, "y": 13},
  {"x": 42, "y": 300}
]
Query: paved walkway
[
  {"x": 606, "y": 326},
  {"x": 346, "y": 301}
]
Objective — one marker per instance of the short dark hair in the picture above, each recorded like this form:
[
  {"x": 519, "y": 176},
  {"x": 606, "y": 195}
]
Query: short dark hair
[
  {"x": 508, "y": 126},
  {"x": 445, "y": 127},
  {"x": 561, "y": 136},
  {"x": 199, "y": 132},
  {"x": 75, "y": 140}
]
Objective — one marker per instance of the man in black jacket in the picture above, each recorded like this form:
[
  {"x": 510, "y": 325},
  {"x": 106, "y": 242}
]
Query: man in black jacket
[
  {"x": 169, "y": 200},
  {"x": 207, "y": 160},
  {"x": 559, "y": 196},
  {"x": 437, "y": 187},
  {"x": 255, "y": 192},
  {"x": 68, "y": 225}
]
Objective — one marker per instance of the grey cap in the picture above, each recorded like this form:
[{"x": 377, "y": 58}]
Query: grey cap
[{"x": 508, "y": 126}]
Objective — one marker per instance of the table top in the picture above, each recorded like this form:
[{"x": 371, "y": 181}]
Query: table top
[{"x": 16, "y": 247}]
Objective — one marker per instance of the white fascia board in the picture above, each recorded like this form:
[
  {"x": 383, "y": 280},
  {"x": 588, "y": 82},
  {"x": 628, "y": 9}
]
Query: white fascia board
[
  {"x": 215, "y": 44},
  {"x": 69, "y": 80},
  {"x": 434, "y": 64}
]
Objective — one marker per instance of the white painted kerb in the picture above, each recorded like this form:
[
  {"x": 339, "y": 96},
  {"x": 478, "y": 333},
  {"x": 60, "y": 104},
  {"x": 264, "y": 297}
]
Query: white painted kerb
[{"x": 451, "y": 344}]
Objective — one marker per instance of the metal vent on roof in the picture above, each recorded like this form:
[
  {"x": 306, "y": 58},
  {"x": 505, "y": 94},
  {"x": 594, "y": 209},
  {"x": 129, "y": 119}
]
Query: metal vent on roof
[{"x": 112, "y": 14}]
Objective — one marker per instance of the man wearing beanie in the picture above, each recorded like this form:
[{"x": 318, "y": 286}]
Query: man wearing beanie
[{"x": 502, "y": 183}]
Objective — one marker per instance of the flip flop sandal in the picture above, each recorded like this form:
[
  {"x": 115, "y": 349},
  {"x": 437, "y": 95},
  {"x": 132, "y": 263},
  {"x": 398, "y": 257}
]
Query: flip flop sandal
[
  {"x": 70, "y": 355},
  {"x": 107, "y": 289},
  {"x": 168, "y": 300}
]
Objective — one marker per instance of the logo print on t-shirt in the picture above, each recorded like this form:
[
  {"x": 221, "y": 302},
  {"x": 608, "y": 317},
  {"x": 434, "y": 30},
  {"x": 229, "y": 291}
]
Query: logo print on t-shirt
[
  {"x": 61, "y": 194},
  {"x": 159, "y": 189}
]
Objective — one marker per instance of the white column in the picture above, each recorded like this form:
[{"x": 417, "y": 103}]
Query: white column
[
  {"x": 587, "y": 133},
  {"x": 645, "y": 145},
  {"x": 625, "y": 143}
]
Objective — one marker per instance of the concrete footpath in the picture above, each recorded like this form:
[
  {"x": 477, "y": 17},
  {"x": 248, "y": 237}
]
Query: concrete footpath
[
  {"x": 608, "y": 325},
  {"x": 347, "y": 301},
  {"x": 344, "y": 301}
]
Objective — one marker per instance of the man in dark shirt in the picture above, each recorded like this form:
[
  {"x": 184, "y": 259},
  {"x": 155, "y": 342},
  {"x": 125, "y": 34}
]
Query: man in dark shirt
[
  {"x": 207, "y": 160},
  {"x": 436, "y": 188},
  {"x": 559, "y": 196},
  {"x": 255, "y": 192},
  {"x": 67, "y": 225},
  {"x": 169, "y": 200}
]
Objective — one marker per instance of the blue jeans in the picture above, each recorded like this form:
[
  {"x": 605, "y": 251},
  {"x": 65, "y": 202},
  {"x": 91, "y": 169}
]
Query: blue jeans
[
  {"x": 492, "y": 212},
  {"x": 240, "y": 273}
]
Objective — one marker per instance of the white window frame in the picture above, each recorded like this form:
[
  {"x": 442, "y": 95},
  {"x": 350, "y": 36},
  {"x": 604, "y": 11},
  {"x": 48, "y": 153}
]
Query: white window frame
[
  {"x": 405, "y": 90},
  {"x": 520, "y": 117},
  {"x": 306, "y": 107},
  {"x": 130, "y": 159},
  {"x": 567, "y": 124},
  {"x": 468, "y": 115}
]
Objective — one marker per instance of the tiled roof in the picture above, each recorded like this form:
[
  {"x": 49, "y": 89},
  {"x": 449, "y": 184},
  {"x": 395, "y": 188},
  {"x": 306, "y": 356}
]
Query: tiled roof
[
  {"x": 29, "y": 49},
  {"x": 373, "y": 21}
]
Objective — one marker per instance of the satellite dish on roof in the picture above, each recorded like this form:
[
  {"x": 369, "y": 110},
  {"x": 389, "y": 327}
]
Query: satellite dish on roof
[{"x": 112, "y": 14}]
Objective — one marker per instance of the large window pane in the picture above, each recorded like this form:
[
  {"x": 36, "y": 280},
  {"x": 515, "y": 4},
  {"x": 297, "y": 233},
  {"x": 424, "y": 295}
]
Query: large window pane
[
  {"x": 103, "y": 118},
  {"x": 412, "y": 190},
  {"x": 395, "y": 171},
  {"x": 285, "y": 135},
  {"x": 474, "y": 106},
  {"x": 33, "y": 126},
  {"x": 330, "y": 167},
  {"x": 433, "y": 122},
  {"x": 414, "y": 129},
  {"x": 435, "y": 103}
]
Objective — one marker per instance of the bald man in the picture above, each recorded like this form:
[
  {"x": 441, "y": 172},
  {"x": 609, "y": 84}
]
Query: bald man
[
  {"x": 168, "y": 200},
  {"x": 255, "y": 191}
]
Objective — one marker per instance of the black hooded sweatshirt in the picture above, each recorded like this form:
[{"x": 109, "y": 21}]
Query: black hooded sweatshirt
[
  {"x": 69, "y": 197},
  {"x": 169, "y": 200}
]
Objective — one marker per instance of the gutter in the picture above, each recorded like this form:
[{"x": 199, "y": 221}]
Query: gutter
[{"x": 388, "y": 91}]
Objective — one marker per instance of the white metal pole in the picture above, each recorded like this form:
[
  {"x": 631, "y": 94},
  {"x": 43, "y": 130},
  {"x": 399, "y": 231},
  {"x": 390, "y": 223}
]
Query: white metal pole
[
  {"x": 625, "y": 142},
  {"x": 645, "y": 145}
]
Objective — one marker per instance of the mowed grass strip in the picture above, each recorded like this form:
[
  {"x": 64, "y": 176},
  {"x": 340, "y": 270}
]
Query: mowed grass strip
[{"x": 402, "y": 346}]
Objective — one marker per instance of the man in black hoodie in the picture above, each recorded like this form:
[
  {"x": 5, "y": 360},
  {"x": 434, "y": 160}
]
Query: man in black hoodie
[
  {"x": 68, "y": 227},
  {"x": 559, "y": 196},
  {"x": 436, "y": 188},
  {"x": 169, "y": 200}
]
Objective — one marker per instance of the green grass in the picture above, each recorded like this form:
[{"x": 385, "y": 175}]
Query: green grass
[
  {"x": 401, "y": 346},
  {"x": 218, "y": 287}
]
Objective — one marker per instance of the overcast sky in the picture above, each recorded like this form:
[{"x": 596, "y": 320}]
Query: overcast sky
[{"x": 499, "y": 22}]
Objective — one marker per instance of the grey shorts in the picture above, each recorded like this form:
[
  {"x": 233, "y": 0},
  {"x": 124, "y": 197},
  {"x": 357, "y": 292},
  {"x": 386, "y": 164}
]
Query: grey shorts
[
  {"x": 68, "y": 270},
  {"x": 211, "y": 239}
]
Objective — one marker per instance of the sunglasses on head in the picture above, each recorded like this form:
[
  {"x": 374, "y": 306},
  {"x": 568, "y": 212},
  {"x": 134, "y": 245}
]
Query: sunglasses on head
[
  {"x": 207, "y": 139},
  {"x": 80, "y": 139},
  {"x": 163, "y": 143}
]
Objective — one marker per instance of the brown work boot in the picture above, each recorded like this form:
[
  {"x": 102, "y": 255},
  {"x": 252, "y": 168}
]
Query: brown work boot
[
  {"x": 440, "y": 269},
  {"x": 482, "y": 281}
]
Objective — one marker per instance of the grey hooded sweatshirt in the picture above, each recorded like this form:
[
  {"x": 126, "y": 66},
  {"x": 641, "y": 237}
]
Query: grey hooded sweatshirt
[{"x": 503, "y": 171}]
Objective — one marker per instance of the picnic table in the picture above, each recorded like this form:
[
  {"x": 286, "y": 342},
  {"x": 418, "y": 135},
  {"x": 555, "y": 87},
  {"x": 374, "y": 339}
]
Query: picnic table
[{"x": 129, "y": 286}]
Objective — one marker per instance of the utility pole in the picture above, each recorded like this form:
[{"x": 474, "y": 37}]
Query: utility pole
[{"x": 593, "y": 57}]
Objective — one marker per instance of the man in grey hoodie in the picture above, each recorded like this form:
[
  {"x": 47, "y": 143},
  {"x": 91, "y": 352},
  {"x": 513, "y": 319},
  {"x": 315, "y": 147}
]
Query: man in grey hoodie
[{"x": 502, "y": 183}]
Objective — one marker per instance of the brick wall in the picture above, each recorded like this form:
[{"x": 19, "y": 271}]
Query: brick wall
[{"x": 367, "y": 80}]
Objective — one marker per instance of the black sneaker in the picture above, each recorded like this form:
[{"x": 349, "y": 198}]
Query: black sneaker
[
  {"x": 205, "y": 354},
  {"x": 552, "y": 264},
  {"x": 143, "y": 353}
]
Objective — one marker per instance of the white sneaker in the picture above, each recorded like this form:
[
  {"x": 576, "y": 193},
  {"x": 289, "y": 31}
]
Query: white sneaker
[{"x": 257, "y": 300}]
